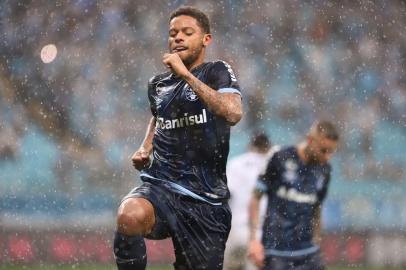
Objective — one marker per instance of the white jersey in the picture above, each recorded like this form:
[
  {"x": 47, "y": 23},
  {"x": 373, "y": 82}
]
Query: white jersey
[{"x": 242, "y": 174}]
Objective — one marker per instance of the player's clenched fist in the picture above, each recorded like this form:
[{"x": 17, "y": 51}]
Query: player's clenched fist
[
  {"x": 256, "y": 253},
  {"x": 140, "y": 159},
  {"x": 173, "y": 61}
]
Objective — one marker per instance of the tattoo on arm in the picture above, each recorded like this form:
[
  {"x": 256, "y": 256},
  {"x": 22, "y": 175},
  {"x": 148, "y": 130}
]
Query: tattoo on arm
[{"x": 227, "y": 105}]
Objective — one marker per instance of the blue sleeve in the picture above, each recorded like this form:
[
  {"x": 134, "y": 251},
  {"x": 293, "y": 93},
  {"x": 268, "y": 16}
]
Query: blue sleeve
[
  {"x": 221, "y": 77},
  {"x": 267, "y": 180},
  {"x": 322, "y": 194},
  {"x": 152, "y": 96}
]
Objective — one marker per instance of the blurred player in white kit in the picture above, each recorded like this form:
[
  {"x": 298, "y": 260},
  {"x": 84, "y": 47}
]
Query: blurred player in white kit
[{"x": 242, "y": 173}]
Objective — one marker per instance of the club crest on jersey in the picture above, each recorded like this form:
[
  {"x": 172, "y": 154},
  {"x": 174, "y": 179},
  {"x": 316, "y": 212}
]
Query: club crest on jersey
[
  {"x": 190, "y": 95},
  {"x": 290, "y": 174}
]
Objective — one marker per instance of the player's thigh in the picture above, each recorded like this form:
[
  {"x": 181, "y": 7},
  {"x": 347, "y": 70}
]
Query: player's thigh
[
  {"x": 200, "y": 235},
  {"x": 312, "y": 262},
  {"x": 277, "y": 263},
  {"x": 199, "y": 253}
]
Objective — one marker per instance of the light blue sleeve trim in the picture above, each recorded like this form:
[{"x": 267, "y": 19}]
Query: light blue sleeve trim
[{"x": 229, "y": 90}]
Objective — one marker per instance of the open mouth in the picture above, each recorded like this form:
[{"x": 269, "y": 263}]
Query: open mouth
[{"x": 179, "y": 49}]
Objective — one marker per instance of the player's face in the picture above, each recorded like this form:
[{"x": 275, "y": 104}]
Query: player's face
[
  {"x": 187, "y": 39},
  {"x": 321, "y": 148}
]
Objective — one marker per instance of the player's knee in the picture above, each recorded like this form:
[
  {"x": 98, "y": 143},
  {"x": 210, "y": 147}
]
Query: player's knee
[{"x": 134, "y": 218}]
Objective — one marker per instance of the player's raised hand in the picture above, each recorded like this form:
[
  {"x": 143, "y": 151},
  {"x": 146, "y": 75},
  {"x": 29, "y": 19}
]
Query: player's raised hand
[
  {"x": 141, "y": 159},
  {"x": 256, "y": 253},
  {"x": 173, "y": 61}
]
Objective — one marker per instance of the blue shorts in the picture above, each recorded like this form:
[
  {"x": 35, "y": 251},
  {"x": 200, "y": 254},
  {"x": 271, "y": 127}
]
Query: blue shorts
[
  {"x": 199, "y": 230},
  {"x": 308, "y": 262}
]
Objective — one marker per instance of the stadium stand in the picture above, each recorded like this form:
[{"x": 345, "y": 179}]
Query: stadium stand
[{"x": 68, "y": 128}]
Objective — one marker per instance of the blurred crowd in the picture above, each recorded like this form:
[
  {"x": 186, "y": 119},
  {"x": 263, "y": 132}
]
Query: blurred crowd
[{"x": 71, "y": 125}]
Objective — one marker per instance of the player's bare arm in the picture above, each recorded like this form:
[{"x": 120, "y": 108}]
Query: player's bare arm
[
  {"x": 140, "y": 158},
  {"x": 226, "y": 105},
  {"x": 317, "y": 225},
  {"x": 255, "y": 247},
  {"x": 254, "y": 213}
]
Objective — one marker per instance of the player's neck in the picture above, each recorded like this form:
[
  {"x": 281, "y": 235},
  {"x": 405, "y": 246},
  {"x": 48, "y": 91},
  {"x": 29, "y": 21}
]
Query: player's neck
[
  {"x": 301, "y": 151},
  {"x": 196, "y": 63}
]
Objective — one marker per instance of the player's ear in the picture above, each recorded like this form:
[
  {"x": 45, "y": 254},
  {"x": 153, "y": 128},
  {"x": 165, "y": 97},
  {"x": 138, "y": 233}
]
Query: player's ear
[
  {"x": 206, "y": 40},
  {"x": 309, "y": 139}
]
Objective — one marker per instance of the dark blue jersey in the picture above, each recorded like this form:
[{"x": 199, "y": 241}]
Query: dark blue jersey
[
  {"x": 191, "y": 144},
  {"x": 294, "y": 191}
]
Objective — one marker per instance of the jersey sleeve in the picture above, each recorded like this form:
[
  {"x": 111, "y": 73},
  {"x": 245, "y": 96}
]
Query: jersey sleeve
[
  {"x": 269, "y": 176},
  {"x": 151, "y": 96},
  {"x": 221, "y": 77}
]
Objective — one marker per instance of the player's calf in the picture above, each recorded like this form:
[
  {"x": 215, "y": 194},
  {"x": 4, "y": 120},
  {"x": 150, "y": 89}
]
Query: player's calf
[
  {"x": 130, "y": 252},
  {"x": 135, "y": 218}
]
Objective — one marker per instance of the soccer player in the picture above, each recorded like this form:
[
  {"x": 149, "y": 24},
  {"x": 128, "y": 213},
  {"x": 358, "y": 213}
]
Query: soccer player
[
  {"x": 184, "y": 192},
  {"x": 295, "y": 181},
  {"x": 242, "y": 173}
]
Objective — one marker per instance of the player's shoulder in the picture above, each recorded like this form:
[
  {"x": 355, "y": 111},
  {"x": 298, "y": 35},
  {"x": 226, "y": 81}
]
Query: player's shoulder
[
  {"x": 219, "y": 65},
  {"x": 282, "y": 154},
  {"x": 327, "y": 168},
  {"x": 222, "y": 69},
  {"x": 284, "y": 151},
  {"x": 157, "y": 78}
]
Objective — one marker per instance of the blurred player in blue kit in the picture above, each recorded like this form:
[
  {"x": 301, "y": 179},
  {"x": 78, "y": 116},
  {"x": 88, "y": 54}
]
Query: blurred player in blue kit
[
  {"x": 295, "y": 181},
  {"x": 184, "y": 192}
]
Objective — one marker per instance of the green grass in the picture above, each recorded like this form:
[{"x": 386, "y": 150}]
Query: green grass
[
  {"x": 74, "y": 267},
  {"x": 164, "y": 267},
  {"x": 364, "y": 268}
]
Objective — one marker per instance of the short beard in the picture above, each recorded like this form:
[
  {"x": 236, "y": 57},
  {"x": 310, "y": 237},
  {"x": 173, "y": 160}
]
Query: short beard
[
  {"x": 311, "y": 158},
  {"x": 191, "y": 58}
]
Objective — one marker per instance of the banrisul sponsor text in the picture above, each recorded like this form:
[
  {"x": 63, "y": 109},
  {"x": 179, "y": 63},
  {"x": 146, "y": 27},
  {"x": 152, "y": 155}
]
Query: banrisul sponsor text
[{"x": 185, "y": 121}]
